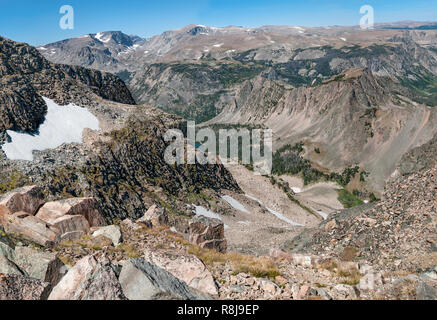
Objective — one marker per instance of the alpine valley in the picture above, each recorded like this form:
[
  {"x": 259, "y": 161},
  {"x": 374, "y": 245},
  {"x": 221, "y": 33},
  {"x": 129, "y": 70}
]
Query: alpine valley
[{"x": 90, "y": 209}]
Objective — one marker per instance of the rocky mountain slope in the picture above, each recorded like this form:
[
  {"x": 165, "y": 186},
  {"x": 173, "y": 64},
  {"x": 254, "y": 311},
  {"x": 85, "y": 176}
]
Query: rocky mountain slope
[
  {"x": 101, "y": 51},
  {"x": 363, "y": 94},
  {"x": 26, "y": 76},
  {"x": 82, "y": 220},
  {"x": 121, "y": 165},
  {"x": 386, "y": 234}
]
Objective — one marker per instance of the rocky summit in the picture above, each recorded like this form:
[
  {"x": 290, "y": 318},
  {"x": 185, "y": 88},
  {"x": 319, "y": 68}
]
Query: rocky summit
[{"x": 91, "y": 210}]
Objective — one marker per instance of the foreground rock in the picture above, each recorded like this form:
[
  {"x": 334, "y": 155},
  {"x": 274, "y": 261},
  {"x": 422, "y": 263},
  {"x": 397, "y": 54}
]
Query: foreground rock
[
  {"x": 27, "y": 199},
  {"x": 30, "y": 228},
  {"x": 8, "y": 267},
  {"x": 144, "y": 281},
  {"x": 111, "y": 232},
  {"x": 185, "y": 267},
  {"x": 89, "y": 279},
  {"x": 86, "y": 207},
  {"x": 208, "y": 233},
  {"x": 17, "y": 287},
  {"x": 40, "y": 265}
]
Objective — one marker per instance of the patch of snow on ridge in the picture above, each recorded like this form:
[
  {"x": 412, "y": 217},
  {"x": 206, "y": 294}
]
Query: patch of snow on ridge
[
  {"x": 323, "y": 214},
  {"x": 99, "y": 37},
  {"x": 254, "y": 199},
  {"x": 235, "y": 204},
  {"x": 202, "y": 211},
  {"x": 296, "y": 190},
  {"x": 63, "y": 124},
  {"x": 283, "y": 218}
]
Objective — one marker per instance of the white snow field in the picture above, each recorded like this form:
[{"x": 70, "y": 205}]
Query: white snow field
[
  {"x": 283, "y": 218},
  {"x": 235, "y": 204},
  {"x": 254, "y": 199},
  {"x": 296, "y": 190},
  {"x": 63, "y": 124},
  {"x": 323, "y": 214},
  {"x": 202, "y": 211}
]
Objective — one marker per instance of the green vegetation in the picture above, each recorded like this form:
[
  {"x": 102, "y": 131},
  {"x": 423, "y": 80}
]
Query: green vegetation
[
  {"x": 201, "y": 109},
  {"x": 287, "y": 160},
  {"x": 259, "y": 267},
  {"x": 348, "y": 200},
  {"x": 226, "y": 73},
  {"x": 11, "y": 180},
  {"x": 424, "y": 87}
]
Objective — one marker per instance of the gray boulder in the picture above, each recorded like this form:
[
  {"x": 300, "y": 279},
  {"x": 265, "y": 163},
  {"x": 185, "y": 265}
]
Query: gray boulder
[
  {"x": 8, "y": 267},
  {"x": 142, "y": 280},
  {"x": 89, "y": 279},
  {"x": 425, "y": 292},
  {"x": 40, "y": 265},
  {"x": 111, "y": 232}
]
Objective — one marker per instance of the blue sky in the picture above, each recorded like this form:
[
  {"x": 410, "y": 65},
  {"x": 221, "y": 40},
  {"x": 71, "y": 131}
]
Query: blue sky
[{"x": 37, "y": 21}]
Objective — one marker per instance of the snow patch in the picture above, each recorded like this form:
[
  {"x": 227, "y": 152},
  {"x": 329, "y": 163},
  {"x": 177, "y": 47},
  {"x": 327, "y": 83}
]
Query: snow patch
[
  {"x": 296, "y": 190},
  {"x": 202, "y": 211},
  {"x": 218, "y": 45},
  {"x": 323, "y": 214},
  {"x": 283, "y": 218},
  {"x": 63, "y": 124},
  {"x": 344, "y": 39},
  {"x": 254, "y": 199},
  {"x": 42, "y": 48},
  {"x": 99, "y": 37},
  {"x": 235, "y": 204}
]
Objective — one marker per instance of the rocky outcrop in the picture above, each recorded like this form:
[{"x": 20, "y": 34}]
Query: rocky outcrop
[
  {"x": 154, "y": 217},
  {"x": 8, "y": 267},
  {"x": 144, "y": 281},
  {"x": 44, "y": 266},
  {"x": 27, "y": 199},
  {"x": 17, "y": 287},
  {"x": 86, "y": 207},
  {"x": 30, "y": 228},
  {"x": 111, "y": 232},
  {"x": 26, "y": 76},
  {"x": 71, "y": 227},
  {"x": 385, "y": 234},
  {"x": 187, "y": 268},
  {"x": 89, "y": 279},
  {"x": 208, "y": 233},
  {"x": 123, "y": 171}
]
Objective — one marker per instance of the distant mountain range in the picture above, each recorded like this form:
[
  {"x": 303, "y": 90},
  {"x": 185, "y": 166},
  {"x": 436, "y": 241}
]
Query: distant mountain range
[{"x": 345, "y": 91}]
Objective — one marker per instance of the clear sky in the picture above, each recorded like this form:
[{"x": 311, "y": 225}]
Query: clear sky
[{"x": 37, "y": 21}]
